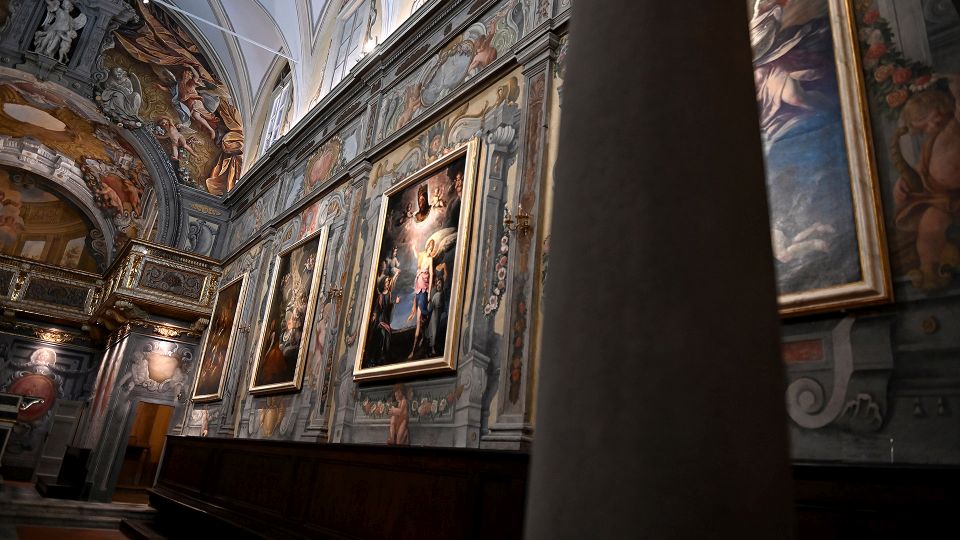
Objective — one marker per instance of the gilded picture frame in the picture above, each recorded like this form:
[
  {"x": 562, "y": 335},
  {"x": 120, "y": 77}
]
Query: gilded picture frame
[
  {"x": 823, "y": 188},
  {"x": 288, "y": 317},
  {"x": 414, "y": 295},
  {"x": 219, "y": 342}
]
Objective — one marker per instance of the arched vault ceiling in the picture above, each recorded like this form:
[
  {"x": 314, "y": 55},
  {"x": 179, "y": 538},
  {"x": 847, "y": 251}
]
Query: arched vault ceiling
[{"x": 286, "y": 26}]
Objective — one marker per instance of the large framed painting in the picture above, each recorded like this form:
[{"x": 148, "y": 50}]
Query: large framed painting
[
  {"x": 282, "y": 348},
  {"x": 413, "y": 299},
  {"x": 218, "y": 347},
  {"x": 825, "y": 218}
]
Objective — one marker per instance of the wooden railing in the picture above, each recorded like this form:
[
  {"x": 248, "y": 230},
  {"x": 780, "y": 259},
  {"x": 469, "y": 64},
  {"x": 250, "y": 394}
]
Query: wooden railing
[{"x": 161, "y": 280}]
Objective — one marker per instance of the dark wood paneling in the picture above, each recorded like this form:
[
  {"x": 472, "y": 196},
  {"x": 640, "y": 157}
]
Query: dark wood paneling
[
  {"x": 281, "y": 489},
  {"x": 299, "y": 490}
]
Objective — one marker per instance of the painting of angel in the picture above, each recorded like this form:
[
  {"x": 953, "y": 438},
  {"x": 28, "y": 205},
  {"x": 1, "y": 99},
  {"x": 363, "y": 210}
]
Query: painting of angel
[
  {"x": 192, "y": 113},
  {"x": 414, "y": 296},
  {"x": 827, "y": 238},
  {"x": 285, "y": 331}
]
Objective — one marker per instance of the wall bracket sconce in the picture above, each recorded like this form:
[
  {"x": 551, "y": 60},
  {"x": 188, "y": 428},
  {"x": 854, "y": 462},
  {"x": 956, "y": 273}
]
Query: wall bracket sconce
[{"x": 520, "y": 225}]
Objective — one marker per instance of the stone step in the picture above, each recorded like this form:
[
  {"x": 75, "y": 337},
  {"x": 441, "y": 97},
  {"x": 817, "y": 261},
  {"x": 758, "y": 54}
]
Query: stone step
[{"x": 137, "y": 529}]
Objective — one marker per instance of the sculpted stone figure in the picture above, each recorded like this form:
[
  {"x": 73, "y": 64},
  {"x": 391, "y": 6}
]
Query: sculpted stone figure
[
  {"x": 58, "y": 30},
  {"x": 121, "y": 96}
]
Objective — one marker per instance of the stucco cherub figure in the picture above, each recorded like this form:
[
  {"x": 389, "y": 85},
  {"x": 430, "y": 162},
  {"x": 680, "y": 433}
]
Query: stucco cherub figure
[{"x": 58, "y": 30}]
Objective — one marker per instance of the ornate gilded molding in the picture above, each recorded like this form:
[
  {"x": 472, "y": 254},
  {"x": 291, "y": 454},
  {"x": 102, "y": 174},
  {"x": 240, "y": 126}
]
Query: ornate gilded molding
[{"x": 145, "y": 280}]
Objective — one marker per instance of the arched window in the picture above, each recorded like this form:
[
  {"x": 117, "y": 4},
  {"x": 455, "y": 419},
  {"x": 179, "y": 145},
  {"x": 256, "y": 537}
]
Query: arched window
[{"x": 281, "y": 98}]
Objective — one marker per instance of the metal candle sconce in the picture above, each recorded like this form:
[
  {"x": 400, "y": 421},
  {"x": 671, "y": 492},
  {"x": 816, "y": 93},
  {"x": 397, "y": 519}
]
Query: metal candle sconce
[{"x": 520, "y": 225}]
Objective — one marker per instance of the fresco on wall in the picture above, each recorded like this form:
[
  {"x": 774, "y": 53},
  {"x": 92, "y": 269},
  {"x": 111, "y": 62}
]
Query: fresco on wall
[
  {"x": 462, "y": 58},
  {"x": 417, "y": 281},
  {"x": 38, "y": 223},
  {"x": 64, "y": 123},
  {"x": 157, "y": 77},
  {"x": 819, "y": 186},
  {"x": 321, "y": 165},
  {"x": 913, "y": 100},
  {"x": 40, "y": 370}
]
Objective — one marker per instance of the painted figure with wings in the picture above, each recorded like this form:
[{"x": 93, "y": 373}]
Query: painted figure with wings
[
  {"x": 428, "y": 263},
  {"x": 58, "y": 30},
  {"x": 193, "y": 99}
]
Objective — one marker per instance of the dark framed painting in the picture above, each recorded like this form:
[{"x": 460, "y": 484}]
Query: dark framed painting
[
  {"x": 218, "y": 346},
  {"x": 285, "y": 334},
  {"x": 825, "y": 212},
  {"x": 414, "y": 296}
]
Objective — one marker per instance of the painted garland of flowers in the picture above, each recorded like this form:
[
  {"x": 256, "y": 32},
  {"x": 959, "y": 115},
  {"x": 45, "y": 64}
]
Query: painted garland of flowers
[
  {"x": 895, "y": 77},
  {"x": 499, "y": 273},
  {"x": 421, "y": 408}
]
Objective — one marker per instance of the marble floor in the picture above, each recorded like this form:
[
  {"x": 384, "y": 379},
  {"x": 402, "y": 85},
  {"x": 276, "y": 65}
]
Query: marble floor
[{"x": 25, "y": 515}]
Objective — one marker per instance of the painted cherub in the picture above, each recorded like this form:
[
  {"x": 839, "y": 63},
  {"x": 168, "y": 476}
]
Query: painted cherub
[
  {"x": 411, "y": 103},
  {"x": 437, "y": 201},
  {"x": 484, "y": 53},
  {"x": 926, "y": 193},
  {"x": 177, "y": 139}
]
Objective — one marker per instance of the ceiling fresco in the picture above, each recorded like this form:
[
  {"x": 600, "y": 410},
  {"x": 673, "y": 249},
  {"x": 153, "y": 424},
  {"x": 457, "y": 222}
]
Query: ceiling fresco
[
  {"x": 38, "y": 223},
  {"x": 159, "y": 78},
  {"x": 69, "y": 125}
]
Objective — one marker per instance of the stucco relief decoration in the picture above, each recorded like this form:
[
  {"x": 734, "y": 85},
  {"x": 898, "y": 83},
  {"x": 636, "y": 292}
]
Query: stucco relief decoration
[
  {"x": 465, "y": 56},
  {"x": 159, "y": 367},
  {"x": 59, "y": 29},
  {"x": 158, "y": 77},
  {"x": 121, "y": 96}
]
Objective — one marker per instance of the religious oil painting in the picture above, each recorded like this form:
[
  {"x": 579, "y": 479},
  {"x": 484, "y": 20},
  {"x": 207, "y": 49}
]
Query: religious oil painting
[
  {"x": 415, "y": 292},
  {"x": 221, "y": 337},
  {"x": 285, "y": 333},
  {"x": 827, "y": 235}
]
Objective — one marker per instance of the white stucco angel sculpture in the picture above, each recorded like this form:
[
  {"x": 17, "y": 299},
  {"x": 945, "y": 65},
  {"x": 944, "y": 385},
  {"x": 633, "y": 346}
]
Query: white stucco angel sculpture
[{"x": 58, "y": 30}]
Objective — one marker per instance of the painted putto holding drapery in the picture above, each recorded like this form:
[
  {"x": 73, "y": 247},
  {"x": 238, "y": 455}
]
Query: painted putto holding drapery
[{"x": 159, "y": 78}]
